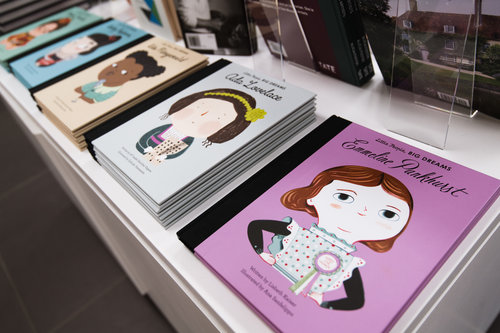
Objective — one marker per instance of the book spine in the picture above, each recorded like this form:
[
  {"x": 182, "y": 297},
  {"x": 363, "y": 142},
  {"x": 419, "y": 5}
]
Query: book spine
[
  {"x": 347, "y": 35},
  {"x": 356, "y": 32}
]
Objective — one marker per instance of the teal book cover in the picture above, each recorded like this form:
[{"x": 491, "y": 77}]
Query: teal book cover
[
  {"x": 56, "y": 59},
  {"x": 44, "y": 31}
]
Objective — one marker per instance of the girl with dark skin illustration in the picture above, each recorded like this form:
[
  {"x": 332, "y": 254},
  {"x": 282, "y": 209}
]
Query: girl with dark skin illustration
[
  {"x": 353, "y": 204},
  {"x": 113, "y": 77}
]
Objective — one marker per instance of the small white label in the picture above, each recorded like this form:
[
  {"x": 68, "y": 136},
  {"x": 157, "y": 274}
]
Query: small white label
[
  {"x": 276, "y": 49},
  {"x": 197, "y": 41}
]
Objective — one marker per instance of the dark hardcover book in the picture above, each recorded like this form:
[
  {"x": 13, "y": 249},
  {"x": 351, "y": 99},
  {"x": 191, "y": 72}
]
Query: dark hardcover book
[
  {"x": 216, "y": 27},
  {"x": 345, "y": 31},
  {"x": 326, "y": 35},
  {"x": 150, "y": 102},
  {"x": 322, "y": 235}
]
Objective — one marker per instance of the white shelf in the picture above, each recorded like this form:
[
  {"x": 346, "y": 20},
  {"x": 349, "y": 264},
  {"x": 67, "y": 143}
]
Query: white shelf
[{"x": 193, "y": 298}]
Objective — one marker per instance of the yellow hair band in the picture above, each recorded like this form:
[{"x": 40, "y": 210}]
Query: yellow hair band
[{"x": 251, "y": 115}]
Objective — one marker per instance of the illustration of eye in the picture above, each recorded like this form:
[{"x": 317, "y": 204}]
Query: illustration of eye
[
  {"x": 388, "y": 214},
  {"x": 114, "y": 65},
  {"x": 343, "y": 197},
  {"x": 124, "y": 71}
]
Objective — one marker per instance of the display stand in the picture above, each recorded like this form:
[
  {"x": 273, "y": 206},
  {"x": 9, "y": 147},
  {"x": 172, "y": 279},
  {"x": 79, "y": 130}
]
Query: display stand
[
  {"x": 433, "y": 68},
  {"x": 280, "y": 34},
  {"x": 192, "y": 297}
]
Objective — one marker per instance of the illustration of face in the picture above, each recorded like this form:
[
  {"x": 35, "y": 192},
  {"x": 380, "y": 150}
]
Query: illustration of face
[
  {"x": 203, "y": 117},
  {"x": 43, "y": 29},
  {"x": 79, "y": 45},
  {"x": 120, "y": 72},
  {"x": 359, "y": 213}
]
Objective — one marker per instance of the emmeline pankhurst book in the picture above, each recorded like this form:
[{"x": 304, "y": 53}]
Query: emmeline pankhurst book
[
  {"x": 178, "y": 153},
  {"x": 342, "y": 231},
  {"x": 86, "y": 99}
]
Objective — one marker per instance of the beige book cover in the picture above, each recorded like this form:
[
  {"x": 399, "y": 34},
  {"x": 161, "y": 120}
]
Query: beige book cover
[{"x": 115, "y": 82}]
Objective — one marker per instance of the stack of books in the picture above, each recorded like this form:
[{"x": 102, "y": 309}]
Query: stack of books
[
  {"x": 176, "y": 154},
  {"x": 84, "y": 100}
]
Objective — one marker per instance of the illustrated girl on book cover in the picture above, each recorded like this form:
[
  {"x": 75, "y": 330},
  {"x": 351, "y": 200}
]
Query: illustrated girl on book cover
[
  {"x": 113, "y": 77},
  {"x": 353, "y": 204},
  {"x": 23, "y": 38},
  {"x": 217, "y": 115},
  {"x": 80, "y": 46}
]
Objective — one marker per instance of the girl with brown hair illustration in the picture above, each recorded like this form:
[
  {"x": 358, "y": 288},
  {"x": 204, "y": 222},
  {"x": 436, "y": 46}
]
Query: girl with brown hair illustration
[
  {"x": 353, "y": 204},
  {"x": 113, "y": 77},
  {"x": 218, "y": 115},
  {"x": 23, "y": 38},
  {"x": 80, "y": 46}
]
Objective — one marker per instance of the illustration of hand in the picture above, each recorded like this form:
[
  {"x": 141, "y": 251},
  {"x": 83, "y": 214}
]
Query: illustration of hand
[{"x": 268, "y": 257}]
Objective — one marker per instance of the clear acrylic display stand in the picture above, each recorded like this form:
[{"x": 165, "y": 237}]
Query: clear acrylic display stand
[
  {"x": 433, "y": 68},
  {"x": 281, "y": 40}
]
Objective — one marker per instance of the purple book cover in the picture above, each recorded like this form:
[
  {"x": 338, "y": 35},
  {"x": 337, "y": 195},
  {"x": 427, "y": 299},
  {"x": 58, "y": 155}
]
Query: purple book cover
[{"x": 348, "y": 238}]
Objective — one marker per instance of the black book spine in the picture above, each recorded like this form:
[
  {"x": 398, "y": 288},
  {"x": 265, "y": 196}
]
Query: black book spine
[
  {"x": 347, "y": 35},
  {"x": 215, "y": 217}
]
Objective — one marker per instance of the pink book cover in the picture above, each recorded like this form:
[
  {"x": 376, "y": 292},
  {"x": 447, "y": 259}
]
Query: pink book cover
[{"x": 349, "y": 237}]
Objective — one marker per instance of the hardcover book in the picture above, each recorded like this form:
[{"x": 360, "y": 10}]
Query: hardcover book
[
  {"x": 336, "y": 35},
  {"x": 341, "y": 231},
  {"x": 216, "y": 26},
  {"x": 73, "y": 52},
  {"x": 326, "y": 35},
  {"x": 44, "y": 31},
  {"x": 179, "y": 152},
  {"x": 96, "y": 94}
]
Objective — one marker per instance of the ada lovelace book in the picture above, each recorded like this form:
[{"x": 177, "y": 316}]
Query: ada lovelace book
[
  {"x": 342, "y": 231},
  {"x": 179, "y": 152}
]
